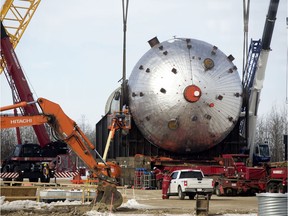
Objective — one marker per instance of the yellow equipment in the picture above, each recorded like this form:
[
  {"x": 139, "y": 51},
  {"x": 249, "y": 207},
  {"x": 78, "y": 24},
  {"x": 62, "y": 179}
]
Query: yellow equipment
[{"x": 15, "y": 16}]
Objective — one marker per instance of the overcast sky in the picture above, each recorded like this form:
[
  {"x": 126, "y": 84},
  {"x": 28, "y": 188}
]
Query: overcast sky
[{"x": 71, "y": 51}]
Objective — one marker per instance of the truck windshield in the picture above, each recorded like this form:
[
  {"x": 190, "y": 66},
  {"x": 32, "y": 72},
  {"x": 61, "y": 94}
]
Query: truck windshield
[
  {"x": 191, "y": 174},
  {"x": 17, "y": 151}
]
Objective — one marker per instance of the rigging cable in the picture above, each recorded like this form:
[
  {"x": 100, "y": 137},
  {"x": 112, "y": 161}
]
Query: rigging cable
[
  {"x": 246, "y": 6},
  {"x": 286, "y": 101},
  {"x": 125, "y": 15}
]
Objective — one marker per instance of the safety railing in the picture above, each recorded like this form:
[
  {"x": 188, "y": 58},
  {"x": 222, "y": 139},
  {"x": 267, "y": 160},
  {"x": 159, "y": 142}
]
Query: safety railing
[{"x": 49, "y": 192}]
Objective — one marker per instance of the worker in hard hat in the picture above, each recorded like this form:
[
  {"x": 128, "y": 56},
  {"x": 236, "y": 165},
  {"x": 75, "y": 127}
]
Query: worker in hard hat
[{"x": 46, "y": 170}]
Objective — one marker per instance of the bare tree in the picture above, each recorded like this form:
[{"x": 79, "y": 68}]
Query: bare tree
[
  {"x": 28, "y": 135},
  {"x": 84, "y": 125},
  {"x": 276, "y": 127},
  {"x": 271, "y": 127},
  {"x": 261, "y": 132},
  {"x": 8, "y": 142}
]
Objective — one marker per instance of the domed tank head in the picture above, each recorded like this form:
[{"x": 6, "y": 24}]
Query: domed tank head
[{"x": 185, "y": 95}]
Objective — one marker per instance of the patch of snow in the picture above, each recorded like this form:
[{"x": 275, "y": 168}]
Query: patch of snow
[
  {"x": 132, "y": 203},
  {"x": 22, "y": 204},
  {"x": 67, "y": 202},
  {"x": 2, "y": 198},
  {"x": 96, "y": 213},
  {"x": 30, "y": 204}
]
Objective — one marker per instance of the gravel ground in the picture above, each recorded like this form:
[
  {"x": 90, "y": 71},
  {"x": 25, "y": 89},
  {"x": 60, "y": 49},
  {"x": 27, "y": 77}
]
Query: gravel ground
[{"x": 138, "y": 202}]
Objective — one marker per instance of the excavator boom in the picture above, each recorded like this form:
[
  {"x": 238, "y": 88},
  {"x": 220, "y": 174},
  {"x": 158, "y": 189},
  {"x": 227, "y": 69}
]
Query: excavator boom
[
  {"x": 20, "y": 121},
  {"x": 66, "y": 130}
]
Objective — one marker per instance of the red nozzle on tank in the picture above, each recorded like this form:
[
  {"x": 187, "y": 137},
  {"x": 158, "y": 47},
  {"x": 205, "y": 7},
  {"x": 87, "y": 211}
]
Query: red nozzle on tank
[{"x": 192, "y": 93}]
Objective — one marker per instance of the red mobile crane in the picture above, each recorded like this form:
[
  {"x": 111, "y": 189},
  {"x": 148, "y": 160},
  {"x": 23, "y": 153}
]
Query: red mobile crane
[
  {"x": 27, "y": 160},
  {"x": 29, "y": 155}
]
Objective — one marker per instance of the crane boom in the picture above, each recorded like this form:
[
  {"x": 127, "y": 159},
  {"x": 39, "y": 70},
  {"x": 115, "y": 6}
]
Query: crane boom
[
  {"x": 257, "y": 86},
  {"x": 20, "y": 85},
  {"x": 16, "y": 16}
]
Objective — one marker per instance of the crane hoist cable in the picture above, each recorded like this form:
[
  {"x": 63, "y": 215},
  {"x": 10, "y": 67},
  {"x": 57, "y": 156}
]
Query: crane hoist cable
[
  {"x": 286, "y": 94},
  {"x": 125, "y": 4}
]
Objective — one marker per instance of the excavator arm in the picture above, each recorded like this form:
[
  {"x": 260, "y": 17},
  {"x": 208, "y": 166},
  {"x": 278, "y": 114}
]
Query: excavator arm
[{"x": 67, "y": 130}]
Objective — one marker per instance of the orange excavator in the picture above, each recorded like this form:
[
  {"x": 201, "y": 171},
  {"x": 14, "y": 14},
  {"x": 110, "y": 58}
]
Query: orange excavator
[{"x": 66, "y": 130}]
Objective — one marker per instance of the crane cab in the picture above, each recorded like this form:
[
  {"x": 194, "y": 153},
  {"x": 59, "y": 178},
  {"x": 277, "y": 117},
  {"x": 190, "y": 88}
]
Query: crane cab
[{"x": 261, "y": 154}]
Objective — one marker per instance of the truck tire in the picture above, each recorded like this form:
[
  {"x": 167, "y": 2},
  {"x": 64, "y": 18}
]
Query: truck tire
[
  {"x": 281, "y": 188},
  {"x": 181, "y": 195},
  {"x": 271, "y": 188}
]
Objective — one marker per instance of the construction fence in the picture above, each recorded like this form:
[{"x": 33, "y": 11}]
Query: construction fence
[{"x": 49, "y": 192}]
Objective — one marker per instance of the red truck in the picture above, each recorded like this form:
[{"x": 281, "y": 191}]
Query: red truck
[{"x": 234, "y": 176}]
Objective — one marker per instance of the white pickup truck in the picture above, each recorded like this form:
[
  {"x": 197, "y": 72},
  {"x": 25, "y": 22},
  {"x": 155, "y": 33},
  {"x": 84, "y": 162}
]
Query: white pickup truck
[{"x": 189, "y": 183}]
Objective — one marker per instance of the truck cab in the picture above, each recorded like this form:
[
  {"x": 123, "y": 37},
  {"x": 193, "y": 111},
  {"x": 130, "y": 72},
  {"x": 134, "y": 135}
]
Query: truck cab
[
  {"x": 28, "y": 159},
  {"x": 27, "y": 150}
]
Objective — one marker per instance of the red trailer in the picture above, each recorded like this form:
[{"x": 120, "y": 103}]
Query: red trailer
[{"x": 233, "y": 175}]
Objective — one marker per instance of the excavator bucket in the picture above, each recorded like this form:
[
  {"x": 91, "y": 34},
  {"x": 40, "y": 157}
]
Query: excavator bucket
[{"x": 108, "y": 198}]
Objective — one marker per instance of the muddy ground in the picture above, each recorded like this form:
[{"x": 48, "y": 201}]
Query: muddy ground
[{"x": 150, "y": 202}]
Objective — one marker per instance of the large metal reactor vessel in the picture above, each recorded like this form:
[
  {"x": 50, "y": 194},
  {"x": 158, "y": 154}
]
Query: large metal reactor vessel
[{"x": 185, "y": 95}]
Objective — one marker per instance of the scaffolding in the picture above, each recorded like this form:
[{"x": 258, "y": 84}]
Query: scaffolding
[{"x": 144, "y": 179}]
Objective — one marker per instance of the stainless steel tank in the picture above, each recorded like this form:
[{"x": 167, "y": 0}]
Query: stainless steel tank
[{"x": 185, "y": 95}]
